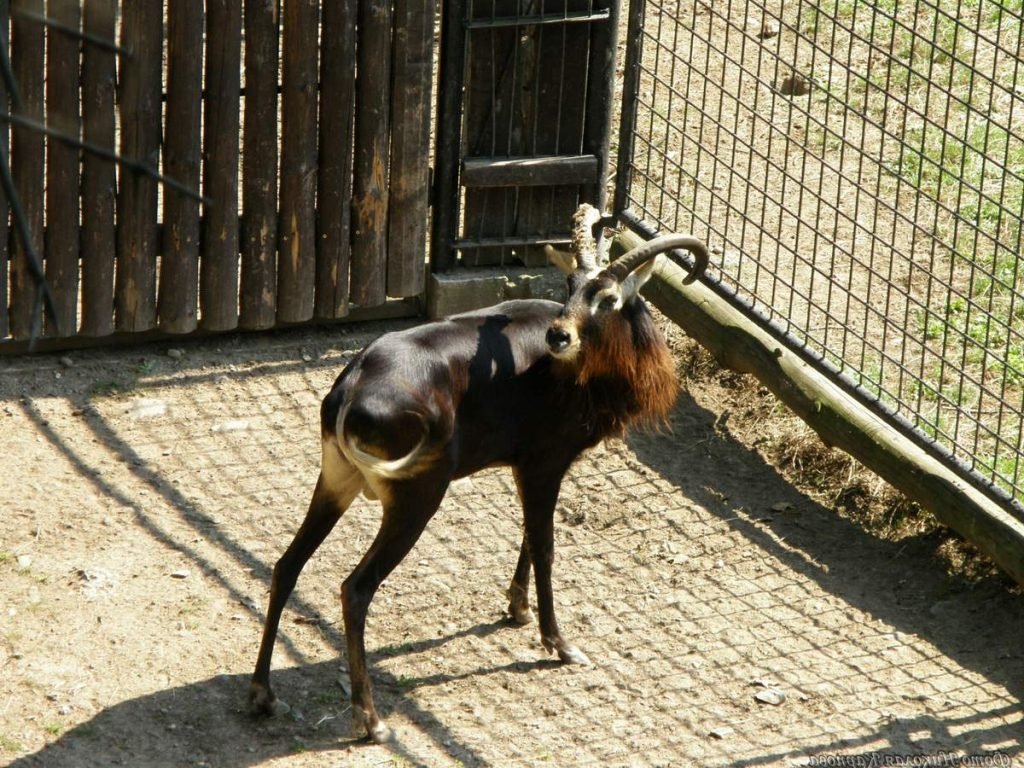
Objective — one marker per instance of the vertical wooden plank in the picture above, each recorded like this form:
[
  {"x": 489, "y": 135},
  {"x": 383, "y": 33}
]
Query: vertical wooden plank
[
  {"x": 372, "y": 156},
  {"x": 334, "y": 195},
  {"x": 98, "y": 175},
  {"x": 140, "y": 92},
  {"x": 410, "y": 140},
  {"x": 259, "y": 166},
  {"x": 179, "y": 264},
  {"x": 62, "y": 172},
  {"x": 218, "y": 287},
  {"x": 5, "y": 253},
  {"x": 296, "y": 227},
  {"x": 448, "y": 138},
  {"x": 27, "y": 156}
]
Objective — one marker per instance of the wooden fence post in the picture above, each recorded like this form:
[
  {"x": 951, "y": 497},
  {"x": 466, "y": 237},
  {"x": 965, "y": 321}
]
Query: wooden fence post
[
  {"x": 179, "y": 267},
  {"x": 98, "y": 174},
  {"x": 372, "y": 158},
  {"x": 140, "y": 101},
  {"x": 259, "y": 166},
  {"x": 410, "y": 162},
  {"x": 296, "y": 227},
  {"x": 27, "y": 157},
  {"x": 62, "y": 172},
  {"x": 337, "y": 112},
  {"x": 5, "y": 28},
  {"x": 218, "y": 269}
]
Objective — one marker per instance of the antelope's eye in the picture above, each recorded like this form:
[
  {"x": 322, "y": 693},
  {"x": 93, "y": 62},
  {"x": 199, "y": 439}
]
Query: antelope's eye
[{"x": 607, "y": 304}]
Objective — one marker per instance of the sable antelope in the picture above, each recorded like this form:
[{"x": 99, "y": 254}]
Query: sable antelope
[{"x": 530, "y": 384}]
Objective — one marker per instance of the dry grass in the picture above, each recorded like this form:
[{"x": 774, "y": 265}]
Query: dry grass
[{"x": 752, "y": 415}]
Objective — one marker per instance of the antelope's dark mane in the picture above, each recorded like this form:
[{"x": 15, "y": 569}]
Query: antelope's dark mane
[{"x": 628, "y": 374}]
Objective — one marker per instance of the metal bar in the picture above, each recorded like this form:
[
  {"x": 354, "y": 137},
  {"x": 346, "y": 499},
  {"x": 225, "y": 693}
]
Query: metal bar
[
  {"x": 106, "y": 154},
  {"x": 510, "y": 242},
  {"x": 630, "y": 97},
  {"x": 96, "y": 40}
]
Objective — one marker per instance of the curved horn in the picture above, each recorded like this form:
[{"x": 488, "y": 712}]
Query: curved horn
[
  {"x": 584, "y": 244},
  {"x": 625, "y": 264}
]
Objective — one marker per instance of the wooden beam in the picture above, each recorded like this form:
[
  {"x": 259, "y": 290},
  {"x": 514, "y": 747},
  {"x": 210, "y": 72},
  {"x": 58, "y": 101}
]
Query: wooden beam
[{"x": 738, "y": 343}]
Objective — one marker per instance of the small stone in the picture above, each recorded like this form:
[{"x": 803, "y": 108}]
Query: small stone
[
  {"x": 232, "y": 425},
  {"x": 24, "y": 561},
  {"x": 721, "y": 732},
  {"x": 771, "y": 696},
  {"x": 67, "y": 362},
  {"x": 175, "y": 354},
  {"x": 182, "y": 574},
  {"x": 148, "y": 407}
]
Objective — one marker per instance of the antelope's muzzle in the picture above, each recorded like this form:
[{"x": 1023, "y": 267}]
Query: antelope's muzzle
[{"x": 558, "y": 339}]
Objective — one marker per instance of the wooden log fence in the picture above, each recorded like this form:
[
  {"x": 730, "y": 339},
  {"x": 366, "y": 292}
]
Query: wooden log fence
[{"x": 308, "y": 213}]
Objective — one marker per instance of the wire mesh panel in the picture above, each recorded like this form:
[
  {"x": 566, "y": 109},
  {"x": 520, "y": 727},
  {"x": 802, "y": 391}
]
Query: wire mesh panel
[{"x": 858, "y": 169}]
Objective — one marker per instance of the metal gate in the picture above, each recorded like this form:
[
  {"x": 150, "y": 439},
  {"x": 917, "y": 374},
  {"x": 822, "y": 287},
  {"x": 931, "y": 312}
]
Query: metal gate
[{"x": 523, "y": 126}]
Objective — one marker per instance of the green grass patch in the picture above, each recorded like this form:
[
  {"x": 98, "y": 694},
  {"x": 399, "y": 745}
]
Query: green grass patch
[{"x": 948, "y": 95}]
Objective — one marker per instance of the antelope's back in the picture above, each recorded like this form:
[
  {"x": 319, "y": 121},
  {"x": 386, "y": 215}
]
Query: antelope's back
[{"x": 468, "y": 361}]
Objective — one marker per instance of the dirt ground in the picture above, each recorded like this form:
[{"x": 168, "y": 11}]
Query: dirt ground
[{"x": 733, "y": 620}]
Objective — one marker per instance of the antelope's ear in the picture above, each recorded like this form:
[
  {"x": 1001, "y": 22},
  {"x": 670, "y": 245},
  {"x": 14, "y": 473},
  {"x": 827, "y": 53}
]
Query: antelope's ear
[
  {"x": 637, "y": 278},
  {"x": 564, "y": 260}
]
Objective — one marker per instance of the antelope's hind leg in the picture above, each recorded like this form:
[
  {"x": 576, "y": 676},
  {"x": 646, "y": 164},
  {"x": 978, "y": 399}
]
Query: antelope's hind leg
[
  {"x": 338, "y": 484},
  {"x": 408, "y": 507},
  {"x": 519, "y": 589}
]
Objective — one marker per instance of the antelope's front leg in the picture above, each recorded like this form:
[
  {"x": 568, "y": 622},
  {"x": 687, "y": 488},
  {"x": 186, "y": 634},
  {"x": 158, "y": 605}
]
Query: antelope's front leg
[{"x": 539, "y": 493}]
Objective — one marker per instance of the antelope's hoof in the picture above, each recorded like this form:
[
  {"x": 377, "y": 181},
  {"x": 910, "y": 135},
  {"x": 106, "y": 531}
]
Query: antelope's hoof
[
  {"x": 380, "y": 733},
  {"x": 374, "y": 728},
  {"x": 570, "y": 654},
  {"x": 521, "y": 614},
  {"x": 263, "y": 702}
]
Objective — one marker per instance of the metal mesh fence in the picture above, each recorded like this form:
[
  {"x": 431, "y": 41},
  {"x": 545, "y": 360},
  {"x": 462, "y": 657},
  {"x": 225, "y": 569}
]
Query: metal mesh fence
[{"x": 858, "y": 169}]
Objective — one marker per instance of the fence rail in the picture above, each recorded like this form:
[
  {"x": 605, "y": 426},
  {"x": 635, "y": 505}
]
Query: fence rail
[{"x": 858, "y": 169}]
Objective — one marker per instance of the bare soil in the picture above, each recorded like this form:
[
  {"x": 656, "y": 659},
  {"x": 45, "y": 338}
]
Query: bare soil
[{"x": 146, "y": 497}]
